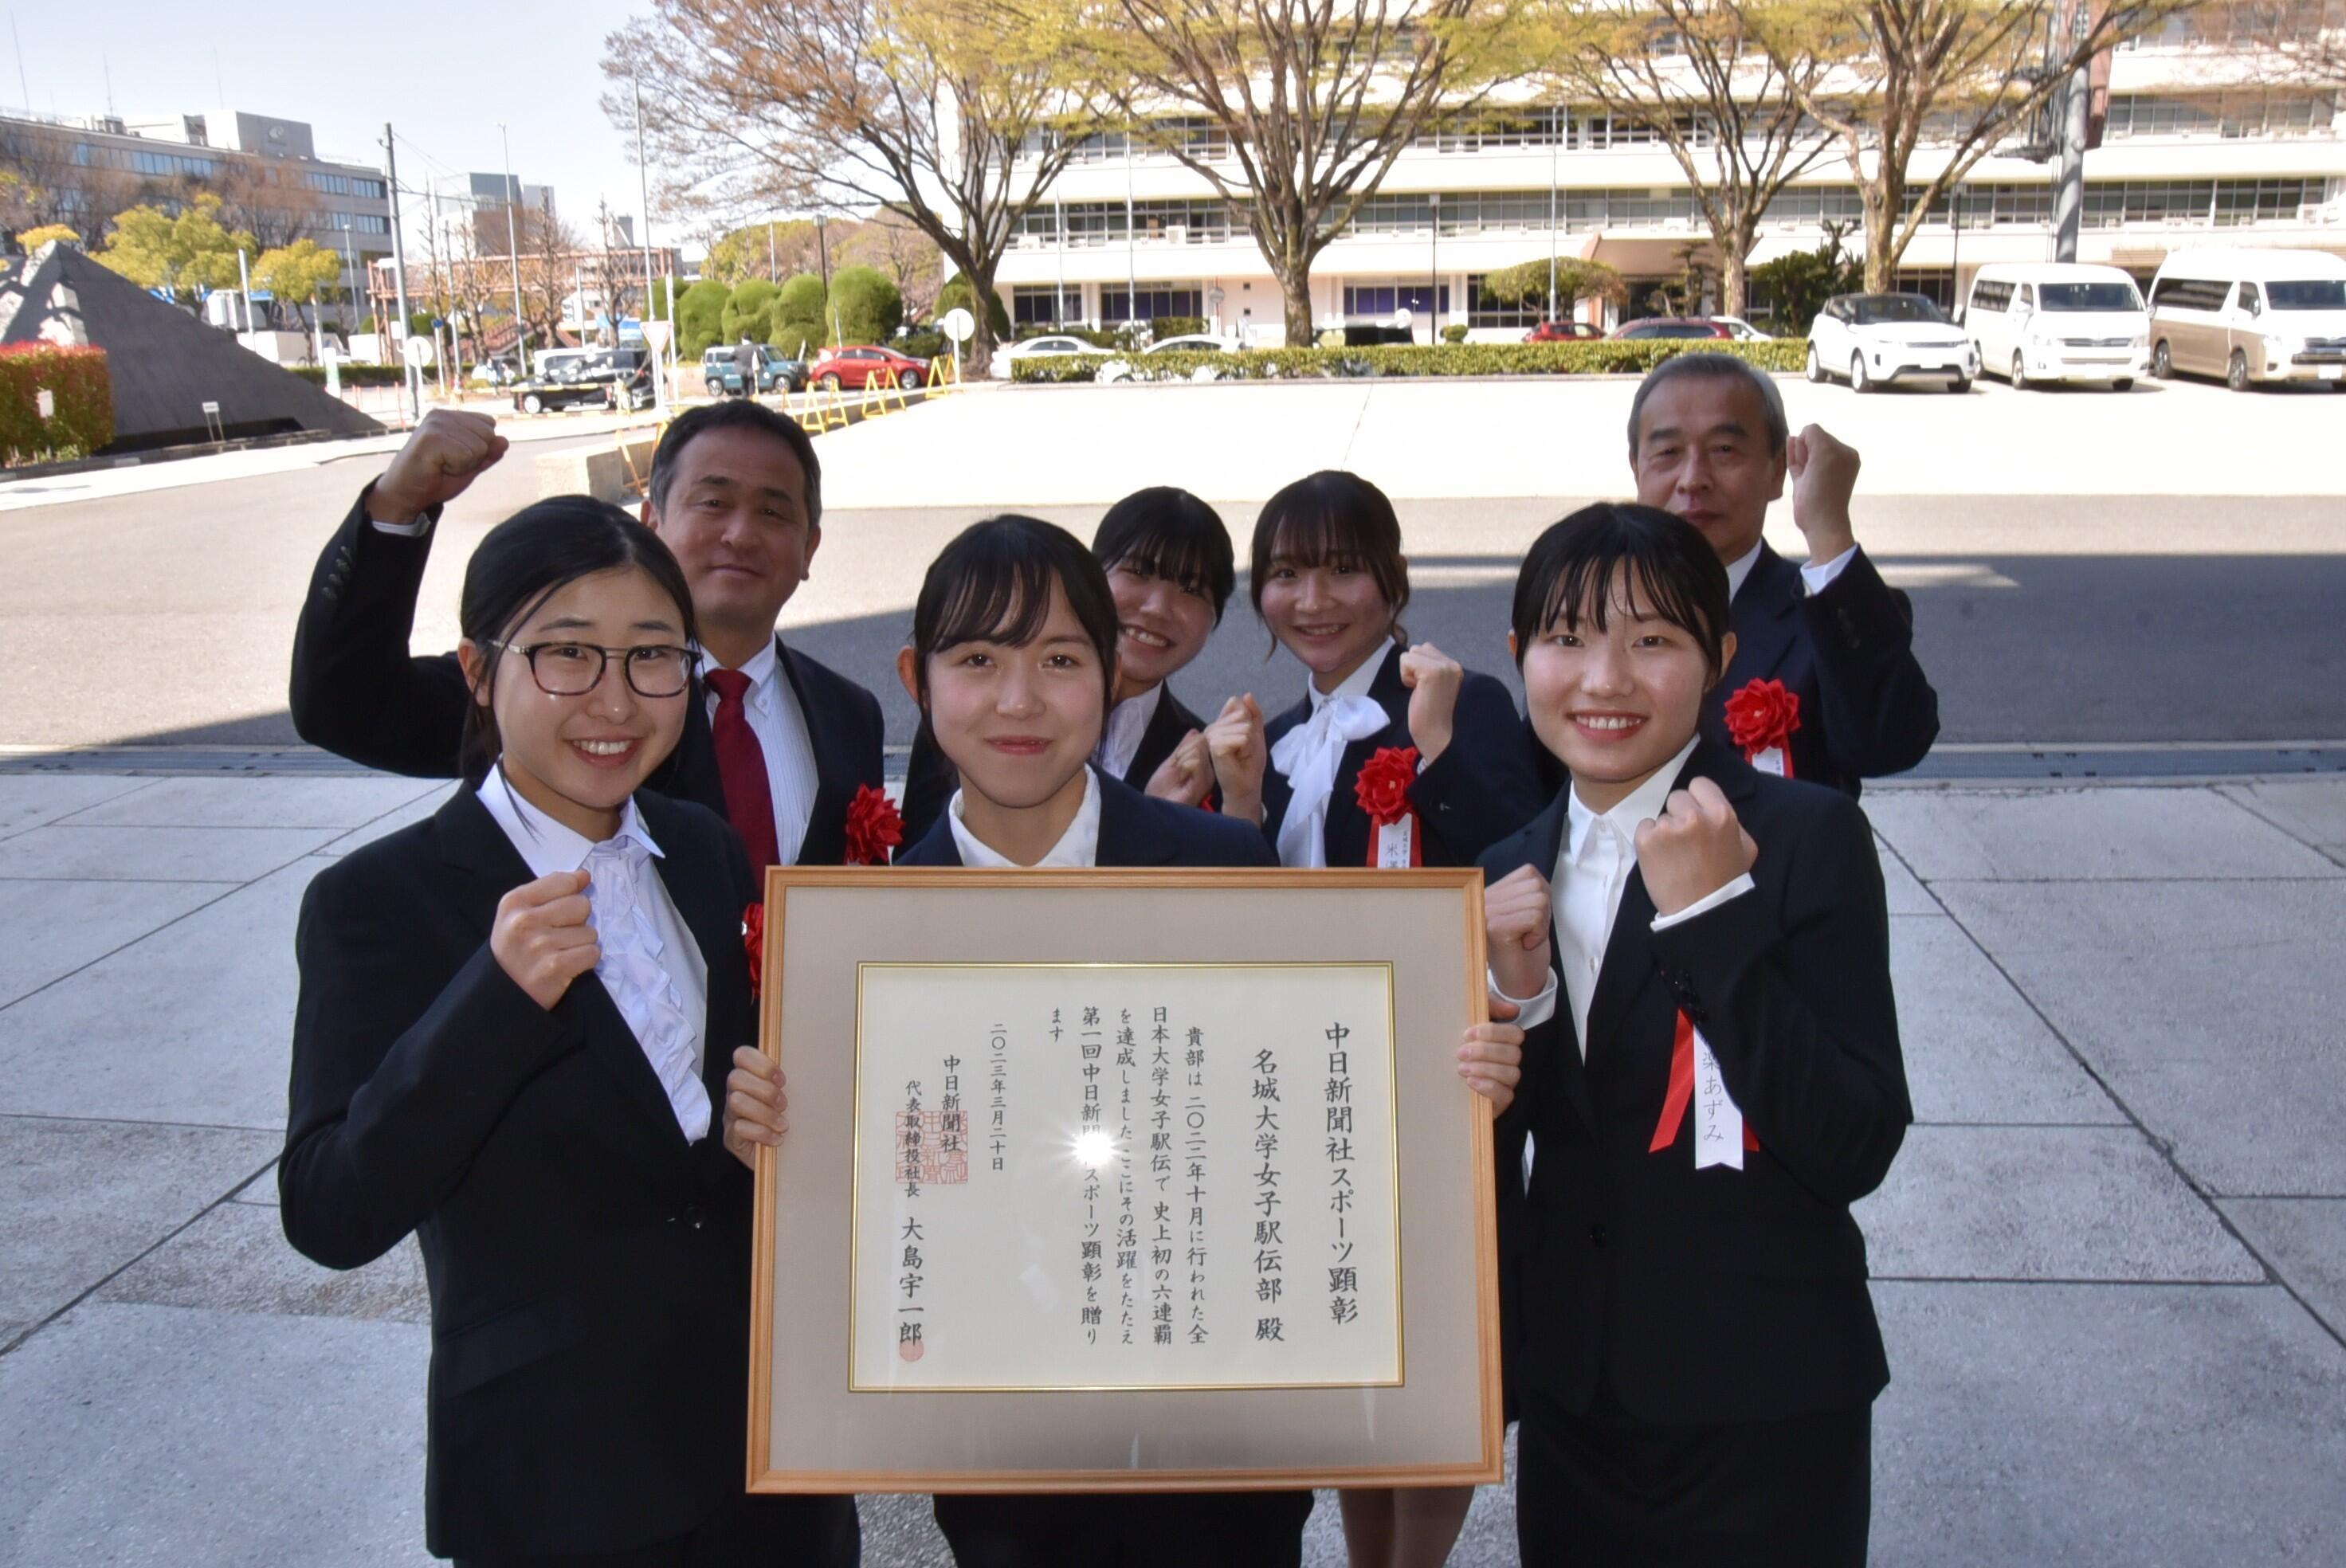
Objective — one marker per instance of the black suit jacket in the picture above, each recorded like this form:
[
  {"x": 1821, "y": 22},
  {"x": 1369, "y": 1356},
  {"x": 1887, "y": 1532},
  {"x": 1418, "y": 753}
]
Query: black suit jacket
[
  {"x": 1714, "y": 1295},
  {"x": 1482, "y": 787},
  {"x": 930, "y": 779},
  {"x": 1135, "y": 829},
  {"x": 357, "y": 692},
  {"x": 1866, "y": 707},
  {"x": 588, "y": 1268}
]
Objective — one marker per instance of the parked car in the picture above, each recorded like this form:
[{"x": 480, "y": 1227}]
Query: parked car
[
  {"x": 861, "y": 364},
  {"x": 1563, "y": 333},
  {"x": 1743, "y": 332},
  {"x": 1875, "y": 339},
  {"x": 1195, "y": 343},
  {"x": 612, "y": 378},
  {"x": 1009, "y": 354},
  {"x": 722, "y": 377},
  {"x": 2250, "y": 316},
  {"x": 2057, "y": 321},
  {"x": 1670, "y": 326}
]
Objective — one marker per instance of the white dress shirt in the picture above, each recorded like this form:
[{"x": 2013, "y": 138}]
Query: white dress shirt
[
  {"x": 1308, "y": 755},
  {"x": 1078, "y": 846},
  {"x": 1127, "y": 721},
  {"x": 650, "y": 963},
  {"x": 781, "y": 727},
  {"x": 1591, "y": 873},
  {"x": 1818, "y": 575}
]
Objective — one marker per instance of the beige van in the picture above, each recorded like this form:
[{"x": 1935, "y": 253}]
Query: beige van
[{"x": 2250, "y": 316}]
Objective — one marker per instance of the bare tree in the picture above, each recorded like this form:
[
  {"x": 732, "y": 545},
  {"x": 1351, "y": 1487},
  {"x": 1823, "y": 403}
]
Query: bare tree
[
  {"x": 1305, "y": 105},
  {"x": 614, "y": 272},
  {"x": 549, "y": 259},
  {"x": 921, "y": 108},
  {"x": 264, "y": 199},
  {"x": 1690, "y": 75},
  {"x": 1961, "y": 74}
]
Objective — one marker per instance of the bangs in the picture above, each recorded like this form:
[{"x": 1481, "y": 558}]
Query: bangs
[
  {"x": 1664, "y": 566},
  {"x": 1306, "y": 536},
  {"x": 1186, "y": 561},
  {"x": 1005, "y": 600},
  {"x": 1332, "y": 519}
]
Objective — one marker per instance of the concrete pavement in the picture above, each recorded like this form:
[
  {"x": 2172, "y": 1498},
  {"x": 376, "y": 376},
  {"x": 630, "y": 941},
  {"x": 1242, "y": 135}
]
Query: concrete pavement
[{"x": 2111, "y": 1260}]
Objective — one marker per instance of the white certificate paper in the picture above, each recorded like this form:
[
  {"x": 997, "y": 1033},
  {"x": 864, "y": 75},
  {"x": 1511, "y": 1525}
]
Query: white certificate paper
[{"x": 1125, "y": 1176}]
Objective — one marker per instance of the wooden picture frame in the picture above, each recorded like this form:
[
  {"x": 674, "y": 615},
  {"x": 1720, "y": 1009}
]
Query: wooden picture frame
[{"x": 866, "y": 968}]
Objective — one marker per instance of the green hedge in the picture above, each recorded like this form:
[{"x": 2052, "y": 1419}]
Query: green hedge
[
  {"x": 1604, "y": 357},
  {"x": 356, "y": 375},
  {"x": 83, "y": 420}
]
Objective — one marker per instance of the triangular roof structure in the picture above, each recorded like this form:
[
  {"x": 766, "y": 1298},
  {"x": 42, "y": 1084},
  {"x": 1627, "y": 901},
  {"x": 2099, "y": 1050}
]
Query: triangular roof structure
[{"x": 165, "y": 364}]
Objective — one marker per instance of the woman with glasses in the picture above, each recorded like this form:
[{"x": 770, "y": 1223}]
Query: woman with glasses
[{"x": 515, "y": 1026}]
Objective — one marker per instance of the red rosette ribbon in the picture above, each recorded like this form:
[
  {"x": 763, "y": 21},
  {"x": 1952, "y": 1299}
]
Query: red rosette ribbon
[
  {"x": 1762, "y": 718},
  {"x": 874, "y": 827},
  {"x": 1382, "y": 792},
  {"x": 753, "y": 945}
]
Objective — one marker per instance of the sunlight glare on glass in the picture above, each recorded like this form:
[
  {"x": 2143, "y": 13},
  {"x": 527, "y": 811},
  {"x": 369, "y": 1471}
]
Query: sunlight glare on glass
[{"x": 1095, "y": 1148}]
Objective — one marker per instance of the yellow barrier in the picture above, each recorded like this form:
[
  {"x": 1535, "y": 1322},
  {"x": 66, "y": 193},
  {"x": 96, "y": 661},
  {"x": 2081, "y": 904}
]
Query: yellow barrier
[
  {"x": 944, "y": 374},
  {"x": 877, "y": 390},
  {"x": 639, "y": 482}
]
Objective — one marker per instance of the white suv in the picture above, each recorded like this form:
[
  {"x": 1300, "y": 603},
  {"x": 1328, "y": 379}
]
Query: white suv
[{"x": 1872, "y": 339}]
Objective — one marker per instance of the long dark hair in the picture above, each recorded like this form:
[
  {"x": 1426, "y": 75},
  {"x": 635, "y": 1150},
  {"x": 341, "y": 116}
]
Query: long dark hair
[
  {"x": 993, "y": 583},
  {"x": 528, "y": 558},
  {"x": 1332, "y": 515}
]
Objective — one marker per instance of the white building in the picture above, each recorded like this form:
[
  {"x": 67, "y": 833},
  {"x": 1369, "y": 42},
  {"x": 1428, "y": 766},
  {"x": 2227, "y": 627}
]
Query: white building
[{"x": 2198, "y": 145}]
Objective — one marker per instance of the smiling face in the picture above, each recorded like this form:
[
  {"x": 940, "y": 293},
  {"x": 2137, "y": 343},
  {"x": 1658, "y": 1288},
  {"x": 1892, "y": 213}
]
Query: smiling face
[
  {"x": 1703, "y": 453},
  {"x": 736, "y": 517},
  {"x": 1019, "y": 721},
  {"x": 578, "y": 759},
  {"x": 1332, "y": 614},
  {"x": 1616, "y": 703},
  {"x": 1161, "y": 627}
]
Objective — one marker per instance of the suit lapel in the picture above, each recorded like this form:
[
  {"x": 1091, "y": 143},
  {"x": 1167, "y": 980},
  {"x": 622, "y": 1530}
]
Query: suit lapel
[
  {"x": 1166, "y": 726},
  {"x": 690, "y": 771},
  {"x": 490, "y": 868},
  {"x": 825, "y": 841},
  {"x": 1125, "y": 839},
  {"x": 1766, "y": 618}
]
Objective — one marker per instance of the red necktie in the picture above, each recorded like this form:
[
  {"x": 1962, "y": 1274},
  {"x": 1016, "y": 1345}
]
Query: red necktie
[{"x": 741, "y": 766}]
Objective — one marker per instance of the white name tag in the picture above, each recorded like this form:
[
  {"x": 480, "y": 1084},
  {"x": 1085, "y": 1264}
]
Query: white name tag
[
  {"x": 1717, "y": 1121},
  {"x": 1771, "y": 761},
  {"x": 1392, "y": 844}
]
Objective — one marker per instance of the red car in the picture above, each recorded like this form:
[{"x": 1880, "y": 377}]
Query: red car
[
  {"x": 1562, "y": 333},
  {"x": 1672, "y": 327},
  {"x": 859, "y": 364}
]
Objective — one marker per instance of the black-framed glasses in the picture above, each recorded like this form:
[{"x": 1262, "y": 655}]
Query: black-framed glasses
[{"x": 573, "y": 670}]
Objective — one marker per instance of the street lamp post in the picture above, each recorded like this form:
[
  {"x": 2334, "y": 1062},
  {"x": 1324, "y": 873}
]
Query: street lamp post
[
  {"x": 1434, "y": 275},
  {"x": 512, "y": 253},
  {"x": 1554, "y": 142}
]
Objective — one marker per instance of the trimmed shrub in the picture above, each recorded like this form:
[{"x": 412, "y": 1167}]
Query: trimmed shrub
[
  {"x": 82, "y": 418},
  {"x": 801, "y": 317},
  {"x": 1605, "y": 357},
  {"x": 957, "y": 292},
  {"x": 1163, "y": 327},
  {"x": 749, "y": 309},
  {"x": 923, "y": 345},
  {"x": 867, "y": 307},
  {"x": 356, "y": 375},
  {"x": 700, "y": 318},
  {"x": 1455, "y": 334}
]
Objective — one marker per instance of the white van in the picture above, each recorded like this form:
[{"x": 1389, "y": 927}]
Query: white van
[
  {"x": 2250, "y": 316},
  {"x": 2058, "y": 322}
]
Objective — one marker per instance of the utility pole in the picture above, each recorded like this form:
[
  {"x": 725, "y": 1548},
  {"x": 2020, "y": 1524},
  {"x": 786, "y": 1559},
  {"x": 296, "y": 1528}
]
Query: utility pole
[
  {"x": 2069, "y": 189},
  {"x": 1555, "y": 144},
  {"x": 399, "y": 272},
  {"x": 773, "y": 264},
  {"x": 513, "y": 250},
  {"x": 1131, "y": 240},
  {"x": 644, "y": 195},
  {"x": 1433, "y": 274}
]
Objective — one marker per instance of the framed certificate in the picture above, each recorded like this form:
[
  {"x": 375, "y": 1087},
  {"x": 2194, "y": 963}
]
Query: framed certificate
[{"x": 1122, "y": 1180}]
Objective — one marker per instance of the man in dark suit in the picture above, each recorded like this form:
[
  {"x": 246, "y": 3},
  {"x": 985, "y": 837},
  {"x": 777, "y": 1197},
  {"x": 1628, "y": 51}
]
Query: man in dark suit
[
  {"x": 776, "y": 742},
  {"x": 1708, "y": 441}
]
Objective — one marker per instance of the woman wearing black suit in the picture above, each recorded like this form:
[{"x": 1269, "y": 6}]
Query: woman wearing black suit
[
  {"x": 1011, "y": 661},
  {"x": 1170, "y": 566},
  {"x": 1712, "y": 1076},
  {"x": 514, "y": 1026}
]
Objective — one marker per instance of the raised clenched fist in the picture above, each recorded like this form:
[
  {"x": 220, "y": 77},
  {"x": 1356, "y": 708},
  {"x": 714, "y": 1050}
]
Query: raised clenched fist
[
  {"x": 1696, "y": 847},
  {"x": 1434, "y": 679},
  {"x": 541, "y": 937},
  {"x": 447, "y": 451}
]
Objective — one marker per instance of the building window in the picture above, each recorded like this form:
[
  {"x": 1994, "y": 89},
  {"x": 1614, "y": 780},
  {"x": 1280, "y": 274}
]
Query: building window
[
  {"x": 1039, "y": 307},
  {"x": 2231, "y": 116},
  {"x": 1483, "y": 310},
  {"x": 1381, "y": 301},
  {"x": 1156, "y": 302}
]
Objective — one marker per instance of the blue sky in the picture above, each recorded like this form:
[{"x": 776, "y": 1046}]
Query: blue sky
[{"x": 457, "y": 70}]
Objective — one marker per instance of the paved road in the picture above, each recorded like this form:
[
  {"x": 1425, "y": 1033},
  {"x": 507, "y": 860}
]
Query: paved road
[{"x": 168, "y": 617}]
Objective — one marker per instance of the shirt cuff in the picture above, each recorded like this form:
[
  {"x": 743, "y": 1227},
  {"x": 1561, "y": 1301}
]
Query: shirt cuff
[
  {"x": 1704, "y": 904},
  {"x": 1531, "y": 1012},
  {"x": 1819, "y": 576},
  {"x": 416, "y": 529}
]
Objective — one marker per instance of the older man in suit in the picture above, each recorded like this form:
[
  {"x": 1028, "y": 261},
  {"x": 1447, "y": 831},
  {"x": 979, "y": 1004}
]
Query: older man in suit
[
  {"x": 1708, "y": 441},
  {"x": 777, "y": 742}
]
